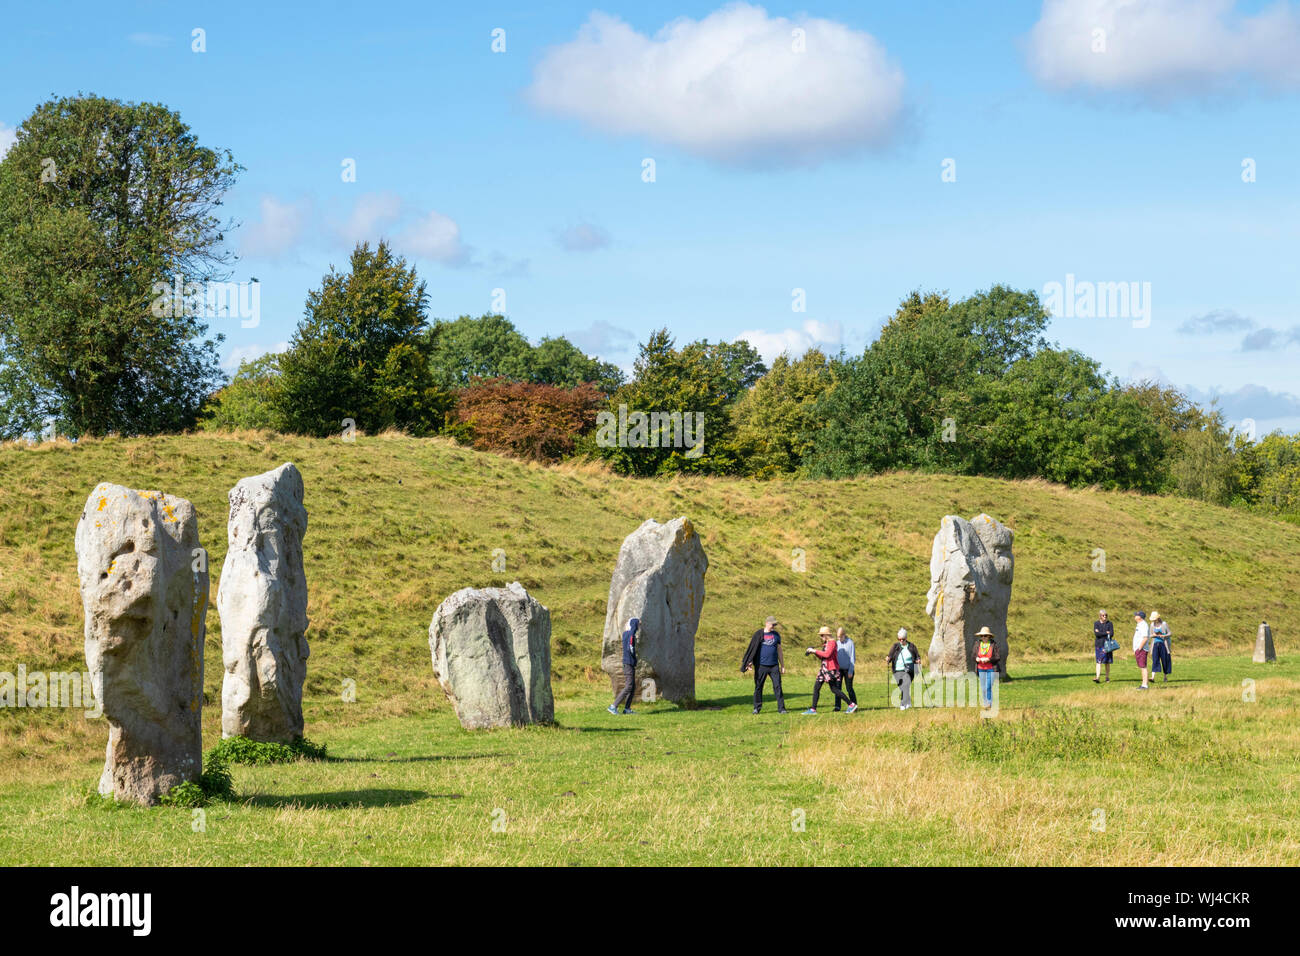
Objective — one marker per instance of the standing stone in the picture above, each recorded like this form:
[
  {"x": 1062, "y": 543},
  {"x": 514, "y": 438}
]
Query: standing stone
[
  {"x": 144, "y": 588},
  {"x": 262, "y": 600},
  {"x": 1264, "y": 650},
  {"x": 971, "y": 567},
  {"x": 491, "y": 651},
  {"x": 659, "y": 578}
]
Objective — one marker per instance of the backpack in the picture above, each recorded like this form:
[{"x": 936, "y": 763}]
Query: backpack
[{"x": 984, "y": 652}]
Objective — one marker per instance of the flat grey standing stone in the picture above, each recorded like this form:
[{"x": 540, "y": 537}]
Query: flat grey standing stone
[
  {"x": 1264, "y": 650},
  {"x": 971, "y": 568},
  {"x": 491, "y": 650},
  {"x": 145, "y": 605},
  {"x": 659, "y": 578},
  {"x": 262, "y": 600}
]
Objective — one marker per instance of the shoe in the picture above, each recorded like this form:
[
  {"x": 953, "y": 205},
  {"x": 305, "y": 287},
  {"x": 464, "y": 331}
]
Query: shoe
[
  {"x": 852, "y": 708},
  {"x": 628, "y": 710},
  {"x": 835, "y": 710},
  {"x": 756, "y": 710},
  {"x": 612, "y": 709},
  {"x": 779, "y": 711},
  {"x": 810, "y": 712},
  {"x": 1096, "y": 680},
  {"x": 1143, "y": 687}
]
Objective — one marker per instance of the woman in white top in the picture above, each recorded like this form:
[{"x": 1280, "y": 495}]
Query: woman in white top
[{"x": 1141, "y": 645}]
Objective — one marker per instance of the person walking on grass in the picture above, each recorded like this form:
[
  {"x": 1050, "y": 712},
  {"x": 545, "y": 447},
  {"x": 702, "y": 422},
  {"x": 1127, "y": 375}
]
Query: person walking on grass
[
  {"x": 1161, "y": 661},
  {"x": 902, "y": 660},
  {"x": 987, "y": 659},
  {"x": 828, "y": 673},
  {"x": 765, "y": 655},
  {"x": 1103, "y": 632},
  {"x": 845, "y": 656},
  {"x": 1141, "y": 645},
  {"x": 629, "y": 669}
]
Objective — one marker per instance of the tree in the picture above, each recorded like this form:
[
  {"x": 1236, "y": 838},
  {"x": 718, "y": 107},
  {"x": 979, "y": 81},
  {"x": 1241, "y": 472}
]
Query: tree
[
  {"x": 691, "y": 391},
  {"x": 557, "y": 361},
  {"x": 362, "y": 352},
  {"x": 103, "y": 203},
  {"x": 541, "y": 422},
  {"x": 776, "y": 421},
  {"x": 485, "y": 347},
  {"x": 249, "y": 400}
]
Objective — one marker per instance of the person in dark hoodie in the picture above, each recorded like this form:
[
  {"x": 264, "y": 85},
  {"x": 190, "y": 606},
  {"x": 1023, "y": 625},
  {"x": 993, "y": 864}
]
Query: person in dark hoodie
[
  {"x": 764, "y": 654},
  {"x": 629, "y": 669}
]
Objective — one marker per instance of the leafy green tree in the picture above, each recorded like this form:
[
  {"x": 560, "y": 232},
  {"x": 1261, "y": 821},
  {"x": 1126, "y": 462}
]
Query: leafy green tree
[
  {"x": 776, "y": 420},
  {"x": 485, "y": 347},
  {"x": 703, "y": 380},
  {"x": 557, "y": 361},
  {"x": 248, "y": 401},
  {"x": 362, "y": 352},
  {"x": 102, "y": 202}
]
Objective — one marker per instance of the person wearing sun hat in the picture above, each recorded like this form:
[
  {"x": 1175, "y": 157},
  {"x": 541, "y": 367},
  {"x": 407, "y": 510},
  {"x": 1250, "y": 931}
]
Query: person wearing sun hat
[
  {"x": 986, "y": 663},
  {"x": 1161, "y": 662},
  {"x": 901, "y": 661},
  {"x": 1141, "y": 645},
  {"x": 828, "y": 673}
]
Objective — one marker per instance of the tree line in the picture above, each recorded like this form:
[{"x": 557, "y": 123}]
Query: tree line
[{"x": 101, "y": 201}]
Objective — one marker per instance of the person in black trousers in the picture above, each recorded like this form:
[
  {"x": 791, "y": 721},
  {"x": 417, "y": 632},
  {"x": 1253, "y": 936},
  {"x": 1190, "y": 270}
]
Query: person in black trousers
[
  {"x": 764, "y": 654},
  {"x": 629, "y": 669}
]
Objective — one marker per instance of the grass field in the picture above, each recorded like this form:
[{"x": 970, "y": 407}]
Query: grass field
[{"x": 1190, "y": 773}]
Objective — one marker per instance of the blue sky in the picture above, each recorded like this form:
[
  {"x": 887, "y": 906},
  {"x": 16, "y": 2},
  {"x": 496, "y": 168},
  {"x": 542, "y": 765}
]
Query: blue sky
[{"x": 819, "y": 169}]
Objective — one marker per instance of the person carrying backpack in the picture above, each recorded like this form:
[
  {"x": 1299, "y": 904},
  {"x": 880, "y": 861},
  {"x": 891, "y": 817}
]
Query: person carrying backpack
[
  {"x": 828, "y": 673},
  {"x": 902, "y": 660},
  {"x": 987, "y": 658},
  {"x": 764, "y": 654},
  {"x": 1161, "y": 661},
  {"x": 629, "y": 669},
  {"x": 846, "y": 658}
]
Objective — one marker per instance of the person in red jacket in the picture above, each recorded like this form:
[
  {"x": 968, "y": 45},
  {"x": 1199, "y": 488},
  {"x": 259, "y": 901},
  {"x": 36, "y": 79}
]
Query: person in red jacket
[{"x": 829, "y": 672}]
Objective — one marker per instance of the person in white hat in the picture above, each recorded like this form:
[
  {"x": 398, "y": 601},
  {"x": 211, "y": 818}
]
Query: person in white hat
[{"x": 987, "y": 658}]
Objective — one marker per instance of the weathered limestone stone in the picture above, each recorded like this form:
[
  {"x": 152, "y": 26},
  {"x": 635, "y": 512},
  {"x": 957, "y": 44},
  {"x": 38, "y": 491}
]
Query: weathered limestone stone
[
  {"x": 659, "y": 578},
  {"x": 1264, "y": 650},
  {"x": 491, "y": 651},
  {"x": 144, "y": 588},
  {"x": 262, "y": 600},
  {"x": 971, "y": 567}
]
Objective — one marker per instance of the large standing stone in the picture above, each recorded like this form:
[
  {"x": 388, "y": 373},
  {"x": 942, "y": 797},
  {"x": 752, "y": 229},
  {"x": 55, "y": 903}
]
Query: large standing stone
[
  {"x": 1264, "y": 650},
  {"x": 262, "y": 600},
  {"x": 659, "y": 578},
  {"x": 971, "y": 567},
  {"x": 144, "y": 600},
  {"x": 491, "y": 651}
]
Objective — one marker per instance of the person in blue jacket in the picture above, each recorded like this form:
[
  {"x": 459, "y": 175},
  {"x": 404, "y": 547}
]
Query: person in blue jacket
[{"x": 629, "y": 669}]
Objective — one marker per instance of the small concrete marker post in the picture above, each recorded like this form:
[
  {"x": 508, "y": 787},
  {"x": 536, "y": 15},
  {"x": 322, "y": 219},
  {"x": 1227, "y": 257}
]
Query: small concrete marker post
[{"x": 1265, "y": 653}]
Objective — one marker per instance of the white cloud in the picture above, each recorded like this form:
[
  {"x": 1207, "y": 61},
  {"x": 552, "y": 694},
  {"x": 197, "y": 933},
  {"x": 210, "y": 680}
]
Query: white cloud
[
  {"x": 435, "y": 237},
  {"x": 8, "y": 136},
  {"x": 1215, "y": 321},
  {"x": 372, "y": 213},
  {"x": 246, "y": 353},
  {"x": 827, "y": 336},
  {"x": 583, "y": 237},
  {"x": 280, "y": 229},
  {"x": 730, "y": 87},
  {"x": 601, "y": 337},
  {"x": 1163, "y": 49}
]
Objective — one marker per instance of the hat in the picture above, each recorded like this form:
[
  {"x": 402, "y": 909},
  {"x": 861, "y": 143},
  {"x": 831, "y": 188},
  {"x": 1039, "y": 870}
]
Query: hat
[
  {"x": 770, "y": 622},
  {"x": 984, "y": 632},
  {"x": 825, "y": 632},
  {"x": 633, "y": 623},
  {"x": 902, "y": 633},
  {"x": 1155, "y": 615},
  {"x": 1141, "y": 614}
]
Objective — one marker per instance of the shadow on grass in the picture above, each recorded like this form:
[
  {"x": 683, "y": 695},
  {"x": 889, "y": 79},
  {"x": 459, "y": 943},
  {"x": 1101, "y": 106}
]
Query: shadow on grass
[
  {"x": 340, "y": 799},
  {"x": 419, "y": 759}
]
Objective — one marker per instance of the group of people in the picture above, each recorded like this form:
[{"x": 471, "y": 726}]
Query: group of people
[{"x": 1151, "y": 646}]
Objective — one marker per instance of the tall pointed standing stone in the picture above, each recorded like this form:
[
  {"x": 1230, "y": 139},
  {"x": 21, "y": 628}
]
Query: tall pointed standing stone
[
  {"x": 144, "y": 588},
  {"x": 1264, "y": 650},
  {"x": 262, "y": 599},
  {"x": 971, "y": 568},
  {"x": 659, "y": 578}
]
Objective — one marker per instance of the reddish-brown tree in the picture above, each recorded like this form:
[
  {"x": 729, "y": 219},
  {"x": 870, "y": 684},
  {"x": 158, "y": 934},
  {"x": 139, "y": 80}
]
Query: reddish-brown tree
[{"x": 541, "y": 422}]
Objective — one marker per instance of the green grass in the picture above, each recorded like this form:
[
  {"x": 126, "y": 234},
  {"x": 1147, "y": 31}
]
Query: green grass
[
  {"x": 1211, "y": 781},
  {"x": 398, "y": 524}
]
